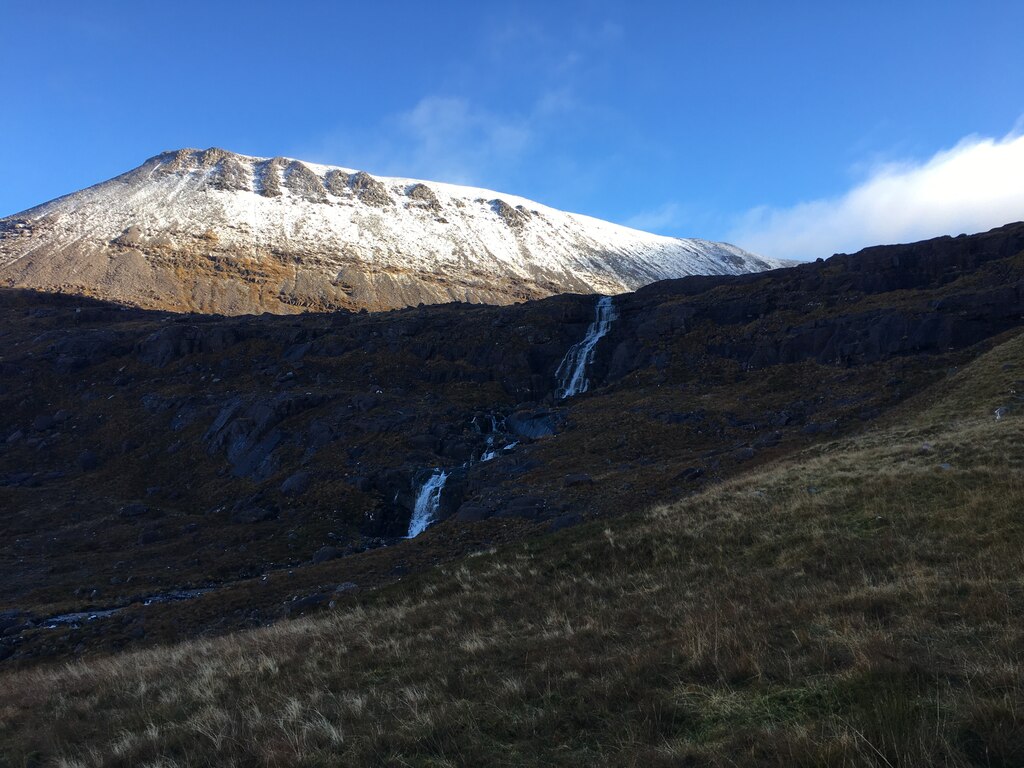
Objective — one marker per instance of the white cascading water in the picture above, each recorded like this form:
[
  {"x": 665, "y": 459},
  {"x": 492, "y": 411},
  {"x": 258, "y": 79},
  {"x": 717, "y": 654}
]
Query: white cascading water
[
  {"x": 490, "y": 452},
  {"x": 572, "y": 380},
  {"x": 571, "y": 373},
  {"x": 428, "y": 500}
]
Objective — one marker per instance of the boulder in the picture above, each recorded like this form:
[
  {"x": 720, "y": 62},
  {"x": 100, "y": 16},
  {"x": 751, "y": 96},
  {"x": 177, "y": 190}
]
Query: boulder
[
  {"x": 134, "y": 509},
  {"x": 296, "y": 484},
  {"x": 768, "y": 440},
  {"x": 531, "y": 425},
  {"x": 565, "y": 521},
  {"x": 43, "y": 422},
  {"x": 302, "y": 605},
  {"x": 326, "y": 553},
  {"x": 743, "y": 454},
  {"x": 577, "y": 479},
  {"x": 529, "y": 507},
  {"x": 149, "y": 536},
  {"x": 88, "y": 460},
  {"x": 690, "y": 474},
  {"x": 472, "y": 512},
  {"x": 254, "y": 514}
]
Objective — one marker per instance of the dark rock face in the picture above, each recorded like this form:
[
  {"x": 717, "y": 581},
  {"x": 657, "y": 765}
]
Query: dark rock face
[
  {"x": 514, "y": 218},
  {"x": 532, "y": 425},
  {"x": 248, "y": 433},
  {"x": 75, "y": 351},
  {"x": 424, "y": 197},
  {"x": 369, "y": 190},
  {"x": 43, "y": 422},
  {"x": 230, "y": 175},
  {"x": 301, "y": 180},
  {"x": 472, "y": 512},
  {"x": 810, "y": 300},
  {"x": 337, "y": 183},
  {"x": 268, "y": 177},
  {"x": 175, "y": 341}
]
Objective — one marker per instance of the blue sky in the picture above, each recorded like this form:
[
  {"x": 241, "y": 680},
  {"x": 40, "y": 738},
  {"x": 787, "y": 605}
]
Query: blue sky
[{"x": 751, "y": 121}]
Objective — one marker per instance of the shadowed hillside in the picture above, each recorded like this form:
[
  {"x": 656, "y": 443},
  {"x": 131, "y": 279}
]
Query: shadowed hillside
[
  {"x": 853, "y": 604},
  {"x": 166, "y": 476}
]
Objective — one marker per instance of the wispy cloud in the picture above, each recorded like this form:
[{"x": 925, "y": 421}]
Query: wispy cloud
[
  {"x": 475, "y": 131},
  {"x": 974, "y": 186},
  {"x": 450, "y": 139},
  {"x": 442, "y": 138},
  {"x": 666, "y": 217}
]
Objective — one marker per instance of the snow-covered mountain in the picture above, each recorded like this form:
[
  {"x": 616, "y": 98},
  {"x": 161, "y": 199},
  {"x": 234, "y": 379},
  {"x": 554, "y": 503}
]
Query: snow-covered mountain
[{"x": 213, "y": 231}]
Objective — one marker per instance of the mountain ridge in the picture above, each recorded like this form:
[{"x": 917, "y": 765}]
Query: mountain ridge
[{"x": 218, "y": 232}]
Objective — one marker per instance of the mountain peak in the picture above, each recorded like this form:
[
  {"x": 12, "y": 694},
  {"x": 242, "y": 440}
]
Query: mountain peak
[{"x": 215, "y": 231}]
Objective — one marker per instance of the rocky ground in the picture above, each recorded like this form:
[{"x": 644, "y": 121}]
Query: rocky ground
[{"x": 273, "y": 462}]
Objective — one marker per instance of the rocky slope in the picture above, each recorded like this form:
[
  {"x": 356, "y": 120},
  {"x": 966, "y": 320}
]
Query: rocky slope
[
  {"x": 855, "y": 604},
  {"x": 215, "y": 232},
  {"x": 142, "y": 452}
]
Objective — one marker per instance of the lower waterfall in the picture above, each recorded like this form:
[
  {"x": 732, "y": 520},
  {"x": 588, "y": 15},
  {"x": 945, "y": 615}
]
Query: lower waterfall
[{"x": 428, "y": 500}]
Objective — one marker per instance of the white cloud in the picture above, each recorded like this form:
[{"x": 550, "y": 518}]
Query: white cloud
[{"x": 976, "y": 185}]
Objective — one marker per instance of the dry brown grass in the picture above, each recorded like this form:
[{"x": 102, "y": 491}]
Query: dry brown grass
[{"x": 855, "y": 605}]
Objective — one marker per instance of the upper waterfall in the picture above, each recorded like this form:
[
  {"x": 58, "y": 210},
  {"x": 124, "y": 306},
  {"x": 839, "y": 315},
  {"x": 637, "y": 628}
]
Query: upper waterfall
[{"x": 571, "y": 373}]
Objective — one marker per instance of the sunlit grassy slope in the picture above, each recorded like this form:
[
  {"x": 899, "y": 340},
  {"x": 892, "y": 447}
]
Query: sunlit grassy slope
[{"x": 858, "y": 604}]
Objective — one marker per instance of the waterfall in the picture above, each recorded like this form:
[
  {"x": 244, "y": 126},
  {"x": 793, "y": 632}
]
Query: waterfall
[
  {"x": 428, "y": 500},
  {"x": 490, "y": 450},
  {"x": 489, "y": 453},
  {"x": 571, "y": 373},
  {"x": 572, "y": 380}
]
